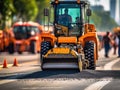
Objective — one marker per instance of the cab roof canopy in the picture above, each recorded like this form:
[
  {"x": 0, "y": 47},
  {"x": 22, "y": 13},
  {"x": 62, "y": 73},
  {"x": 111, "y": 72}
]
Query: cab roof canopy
[
  {"x": 30, "y": 23},
  {"x": 70, "y": 1}
]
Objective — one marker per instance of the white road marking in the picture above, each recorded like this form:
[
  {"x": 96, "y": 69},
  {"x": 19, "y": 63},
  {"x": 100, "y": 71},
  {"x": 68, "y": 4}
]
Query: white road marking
[
  {"x": 7, "y": 81},
  {"x": 43, "y": 87},
  {"x": 98, "y": 85},
  {"x": 109, "y": 65}
]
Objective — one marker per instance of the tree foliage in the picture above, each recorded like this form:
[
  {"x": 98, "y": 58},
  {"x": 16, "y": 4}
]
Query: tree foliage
[
  {"x": 26, "y": 9},
  {"x": 33, "y": 10},
  {"x": 41, "y": 5},
  {"x": 6, "y": 10},
  {"x": 103, "y": 21}
]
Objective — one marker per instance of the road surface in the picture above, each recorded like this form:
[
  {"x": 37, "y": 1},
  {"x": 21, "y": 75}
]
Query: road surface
[{"x": 28, "y": 75}]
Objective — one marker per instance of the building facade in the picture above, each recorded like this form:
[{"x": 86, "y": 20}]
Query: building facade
[{"x": 115, "y": 10}]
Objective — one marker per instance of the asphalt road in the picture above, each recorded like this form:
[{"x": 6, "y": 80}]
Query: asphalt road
[{"x": 105, "y": 77}]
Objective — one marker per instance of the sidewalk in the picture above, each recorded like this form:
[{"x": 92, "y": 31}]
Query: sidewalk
[
  {"x": 101, "y": 53},
  {"x": 21, "y": 68},
  {"x": 102, "y": 61}
]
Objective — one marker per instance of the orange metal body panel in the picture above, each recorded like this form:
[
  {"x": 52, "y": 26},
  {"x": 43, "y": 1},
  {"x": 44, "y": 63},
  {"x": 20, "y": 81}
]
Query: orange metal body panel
[
  {"x": 90, "y": 35},
  {"x": 1, "y": 45},
  {"x": 4, "y": 40},
  {"x": 67, "y": 40},
  {"x": 48, "y": 37},
  {"x": 89, "y": 28},
  {"x": 1, "y": 40}
]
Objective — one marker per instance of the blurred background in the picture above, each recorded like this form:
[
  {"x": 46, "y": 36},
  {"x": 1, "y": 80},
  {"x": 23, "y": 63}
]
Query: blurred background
[{"x": 105, "y": 13}]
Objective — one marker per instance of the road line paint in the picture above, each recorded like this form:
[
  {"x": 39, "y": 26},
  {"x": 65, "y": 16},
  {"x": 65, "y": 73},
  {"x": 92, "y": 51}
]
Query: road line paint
[
  {"x": 98, "y": 85},
  {"x": 109, "y": 65},
  {"x": 7, "y": 81},
  {"x": 44, "y": 88}
]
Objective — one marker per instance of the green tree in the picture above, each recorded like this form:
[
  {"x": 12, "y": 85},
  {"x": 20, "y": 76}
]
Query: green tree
[
  {"x": 41, "y": 5},
  {"x": 103, "y": 21},
  {"x": 6, "y": 11},
  {"x": 26, "y": 9}
]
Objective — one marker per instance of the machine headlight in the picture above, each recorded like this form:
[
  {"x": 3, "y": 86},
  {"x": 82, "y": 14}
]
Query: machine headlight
[
  {"x": 36, "y": 37},
  {"x": 32, "y": 33},
  {"x": 46, "y": 28}
]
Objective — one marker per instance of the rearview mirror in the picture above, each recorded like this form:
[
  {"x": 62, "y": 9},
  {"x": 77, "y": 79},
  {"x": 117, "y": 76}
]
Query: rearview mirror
[
  {"x": 88, "y": 12},
  {"x": 46, "y": 12}
]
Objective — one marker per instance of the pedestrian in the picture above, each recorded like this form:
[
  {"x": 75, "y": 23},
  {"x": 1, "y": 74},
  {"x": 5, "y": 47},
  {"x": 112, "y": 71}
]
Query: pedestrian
[
  {"x": 115, "y": 43},
  {"x": 118, "y": 34},
  {"x": 65, "y": 18},
  {"x": 107, "y": 44}
]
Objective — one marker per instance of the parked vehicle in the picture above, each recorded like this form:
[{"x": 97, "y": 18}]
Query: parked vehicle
[
  {"x": 4, "y": 40},
  {"x": 24, "y": 36}
]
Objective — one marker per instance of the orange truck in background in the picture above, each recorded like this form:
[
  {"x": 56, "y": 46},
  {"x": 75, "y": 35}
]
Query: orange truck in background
[
  {"x": 24, "y": 36},
  {"x": 1, "y": 41},
  {"x": 4, "y": 40}
]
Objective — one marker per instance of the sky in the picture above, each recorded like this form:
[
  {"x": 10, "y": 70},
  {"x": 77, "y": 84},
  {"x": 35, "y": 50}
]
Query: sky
[{"x": 105, "y": 3}]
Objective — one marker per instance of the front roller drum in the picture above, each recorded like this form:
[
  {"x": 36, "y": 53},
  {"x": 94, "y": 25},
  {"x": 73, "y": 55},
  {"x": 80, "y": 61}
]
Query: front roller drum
[{"x": 59, "y": 63}]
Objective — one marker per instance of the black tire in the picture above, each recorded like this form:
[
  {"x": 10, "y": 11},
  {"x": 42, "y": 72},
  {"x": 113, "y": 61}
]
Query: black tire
[
  {"x": 20, "y": 52},
  {"x": 45, "y": 46},
  {"x": 11, "y": 48},
  {"x": 33, "y": 47},
  {"x": 0, "y": 51},
  {"x": 89, "y": 54}
]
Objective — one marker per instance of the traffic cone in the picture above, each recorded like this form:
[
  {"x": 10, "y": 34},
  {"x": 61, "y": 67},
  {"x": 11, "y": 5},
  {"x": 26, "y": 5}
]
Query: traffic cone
[
  {"x": 5, "y": 63},
  {"x": 15, "y": 62}
]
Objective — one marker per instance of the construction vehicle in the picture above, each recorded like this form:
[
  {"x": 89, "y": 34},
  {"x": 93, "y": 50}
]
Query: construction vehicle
[
  {"x": 116, "y": 30},
  {"x": 24, "y": 36},
  {"x": 74, "y": 45},
  {"x": 1, "y": 41},
  {"x": 4, "y": 40}
]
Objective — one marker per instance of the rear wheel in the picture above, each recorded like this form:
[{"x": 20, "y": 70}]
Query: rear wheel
[
  {"x": 45, "y": 46},
  {"x": 20, "y": 52},
  {"x": 89, "y": 54},
  {"x": 0, "y": 50},
  {"x": 33, "y": 47},
  {"x": 11, "y": 48}
]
